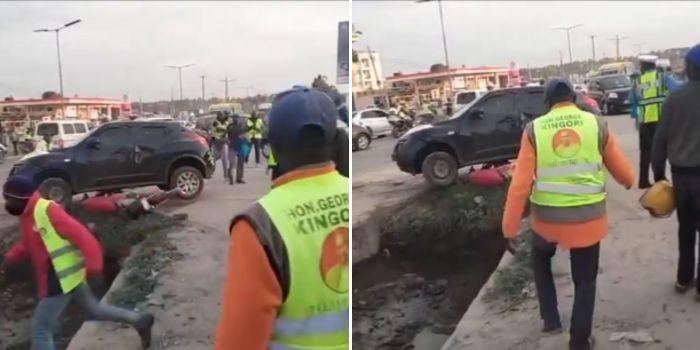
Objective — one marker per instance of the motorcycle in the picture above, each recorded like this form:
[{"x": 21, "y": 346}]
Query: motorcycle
[{"x": 400, "y": 125}]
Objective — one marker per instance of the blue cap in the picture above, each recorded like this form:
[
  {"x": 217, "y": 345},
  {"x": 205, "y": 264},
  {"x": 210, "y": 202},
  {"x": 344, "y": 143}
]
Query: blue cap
[
  {"x": 558, "y": 87},
  {"x": 19, "y": 187},
  {"x": 693, "y": 55},
  {"x": 299, "y": 107}
]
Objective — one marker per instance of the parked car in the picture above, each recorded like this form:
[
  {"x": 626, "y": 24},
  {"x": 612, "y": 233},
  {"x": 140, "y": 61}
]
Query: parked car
[
  {"x": 611, "y": 92},
  {"x": 489, "y": 131},
  {"x": 375, "y": 120},
  {"x": 63, "y": 133},
  {"x": 361, "y": 137},
  {"x": 124, "y": 154}
]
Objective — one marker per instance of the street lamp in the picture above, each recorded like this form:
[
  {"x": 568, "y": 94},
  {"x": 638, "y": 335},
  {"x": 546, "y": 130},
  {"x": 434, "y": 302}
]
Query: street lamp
[
  {"x": 58, "y": 48},
  {"x": 179, "y": 73},
  {"x": 444, "y": 41},
  {"x": 568, "y": 38}
]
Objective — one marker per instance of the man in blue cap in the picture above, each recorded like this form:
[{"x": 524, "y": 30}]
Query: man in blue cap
[
  {"x": 287, "y": 285},
  {"x": 677, "y": 140}
]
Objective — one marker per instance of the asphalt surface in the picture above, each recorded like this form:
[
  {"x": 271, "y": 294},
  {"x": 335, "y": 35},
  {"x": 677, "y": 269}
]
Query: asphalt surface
[{"x": 375, "y": 158}]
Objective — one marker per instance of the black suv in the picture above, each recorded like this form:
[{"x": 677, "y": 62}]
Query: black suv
[
  {"x": 612, "y": 92},
  {"x": 487, "y": 131},
  {"x": 121, "y": 155}
]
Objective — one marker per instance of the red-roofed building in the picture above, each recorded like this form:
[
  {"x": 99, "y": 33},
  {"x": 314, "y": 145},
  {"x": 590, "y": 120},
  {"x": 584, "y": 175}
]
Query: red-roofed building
[
  {"x": 433, "y": 85},
  {"x": 76, "y": 107}
]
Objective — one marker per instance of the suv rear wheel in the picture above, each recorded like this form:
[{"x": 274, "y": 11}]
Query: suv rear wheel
[
  {"x": 57, "y": 190},
  {"x": 188, "y": 180},
  {"x": 440, "y": 168}
]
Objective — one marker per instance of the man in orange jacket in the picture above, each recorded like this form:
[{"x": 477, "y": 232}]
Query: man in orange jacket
[{"x": 560, "y": 169}]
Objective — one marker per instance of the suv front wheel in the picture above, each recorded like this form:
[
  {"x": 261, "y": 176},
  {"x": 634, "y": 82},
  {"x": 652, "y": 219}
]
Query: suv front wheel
[
  {"x": 440, "y": 168},
  {"x": 57, "y": 190},
  {"x": 189, "y": 181}
]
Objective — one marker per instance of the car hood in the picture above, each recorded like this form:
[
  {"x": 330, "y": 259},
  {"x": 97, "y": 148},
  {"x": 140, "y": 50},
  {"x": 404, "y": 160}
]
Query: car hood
[
  {"x": 423, "y": 132},
  {"x": 41, "y": 159}
]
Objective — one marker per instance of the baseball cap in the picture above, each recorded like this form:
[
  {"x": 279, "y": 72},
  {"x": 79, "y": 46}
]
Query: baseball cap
[
  {"x": 19, "y": 187},
  {"x": 297, "y": 108},
  {"x": 557, "y": 88},
  {"x": 693, "y": 55}
]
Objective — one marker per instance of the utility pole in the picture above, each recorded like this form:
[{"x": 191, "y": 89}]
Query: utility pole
[
  {"x": 374, "y": 68},
  {"x": 561, "y": 63},
  {"x": 179, "y": 73},
  {"x": 172, "y": 107},
  {"x": 617, "y": 40},
  {"x": 203, "y": 94},
  {"x": 141, "y": 105},
  {"x": 568, "y": 38},
  {"x": 593, "y": 44},
  {"x": 226, "y": 81},
  {"x": 639, "y": 47},
  {"x": 444, "y": 46},
  {"x": 247, "y": 89},
  {"x": 58, "y": 48}
]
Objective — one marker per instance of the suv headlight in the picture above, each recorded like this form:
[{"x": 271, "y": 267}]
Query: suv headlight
[{"x": 612, "y": 95}]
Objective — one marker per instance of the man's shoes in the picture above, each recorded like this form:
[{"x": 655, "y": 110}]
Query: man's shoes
[
  {"x": 681, "y": 288},
  {"x": 240, "y": 181},
  {"x": 552, "y": 329},
  {"x": 144, "y": 326},
  {"x": 644, "y": 185}
]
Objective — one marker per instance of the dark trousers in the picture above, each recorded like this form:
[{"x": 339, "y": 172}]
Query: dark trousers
[
  {"x": 234, "y": 159},
  {"x": 254, "y": 145},
  {"x": 687, "y": 193},
  {"x": 14, "y": 146},
  {"x": 646, "y": 138},
  {"x": 584, "y": 271}
]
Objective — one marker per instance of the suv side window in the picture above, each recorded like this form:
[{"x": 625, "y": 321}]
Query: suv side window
[
  {"x": 369, "y": 114},
  {"x": 497, "y": 105},
  {"x": 150, "y": 135},
  {"x": 531, "y": 104},
  {"x": 68, "y": 129},
  {"x": 80, "y": 128},
  {"x": 114, "y": 137}
]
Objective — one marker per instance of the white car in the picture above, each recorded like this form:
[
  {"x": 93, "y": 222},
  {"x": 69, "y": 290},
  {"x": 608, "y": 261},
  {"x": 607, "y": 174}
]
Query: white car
[
  {"x": 374, "y": 119},
  {"x": 466, "y": 97},
  {"x": 64, "y": 133}
]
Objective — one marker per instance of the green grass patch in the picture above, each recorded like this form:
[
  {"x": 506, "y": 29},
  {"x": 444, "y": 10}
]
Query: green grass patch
[{"x": 509, "y": 283}]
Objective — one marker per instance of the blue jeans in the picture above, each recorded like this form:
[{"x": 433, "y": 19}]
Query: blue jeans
[
  {"x": 221, "y": 150},
  {"x": 49, "y": 309}
]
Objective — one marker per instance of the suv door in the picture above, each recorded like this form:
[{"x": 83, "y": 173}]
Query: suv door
[
  {"x": 595, "y": 91},
  {"x": 530, "y": 105},
  {"x": 150, "y": 153},
  {"x": 106, "y": 159},
  {"x": 486, "y": 128}
]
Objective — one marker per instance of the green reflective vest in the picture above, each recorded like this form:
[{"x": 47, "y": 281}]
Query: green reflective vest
[
  {"x": 256, "y": 128},
  {"x": 569, "y": 161},
  {"x": 66, "y": 258},
  {"x": 271, "y": 161},
  {"x": 220, "y": 129},
  {"x": 652, "y": 93},
  {"x": 312, "y": 217}
]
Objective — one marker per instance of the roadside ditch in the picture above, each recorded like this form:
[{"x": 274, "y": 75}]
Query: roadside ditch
[
  {"x": 436, "y": 251},
  {"x": 141, "y": 246}
]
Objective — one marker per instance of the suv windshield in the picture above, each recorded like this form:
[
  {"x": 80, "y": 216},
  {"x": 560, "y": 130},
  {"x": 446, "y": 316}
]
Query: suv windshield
[{"x": 615, "y": 82}]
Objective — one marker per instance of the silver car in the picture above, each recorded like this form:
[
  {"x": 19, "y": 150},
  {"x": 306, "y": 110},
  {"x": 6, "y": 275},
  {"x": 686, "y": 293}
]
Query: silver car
[{"x": 374, "y": 119}]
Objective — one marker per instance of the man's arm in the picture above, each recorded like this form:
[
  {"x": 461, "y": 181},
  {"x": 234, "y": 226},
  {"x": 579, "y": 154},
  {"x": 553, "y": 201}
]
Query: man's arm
[
  {"x": 252, "y": 294},
  {"x": 520, "y": 187},
  {"x": 71, "y": 229},
  {"x": 617, "y": 163},
  {"x": 17, "y": 254},
  {"x": 659, "y": 151}
]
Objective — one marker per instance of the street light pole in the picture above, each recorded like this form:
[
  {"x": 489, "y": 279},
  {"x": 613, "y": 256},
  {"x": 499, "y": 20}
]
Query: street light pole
[
  {"x": 568, "y": 38},
  {"x": 179, "y": 73},
  {"x": 58, "y": 48},
  {"x": 444, "y": 45}
]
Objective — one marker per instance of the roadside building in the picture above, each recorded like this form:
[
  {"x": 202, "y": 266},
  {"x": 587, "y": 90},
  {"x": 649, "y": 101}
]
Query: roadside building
[
  {"x": 368, "y": 80},
  {"x": 438, "y": 83},
  {"x": 16, "y": 111}
]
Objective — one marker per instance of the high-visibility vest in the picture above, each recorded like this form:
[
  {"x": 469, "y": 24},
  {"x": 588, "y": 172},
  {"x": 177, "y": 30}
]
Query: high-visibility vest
[
  {"x": 256, "y": 128},
  {"x": 219, "y": 129},
  {"x": 569, "y": 160},
  {"x": 66, "y": 258},
  {"x": 271, "y": 161},
  {"x": 652, "y": 93},
  {"x": 312, "y": 216}
]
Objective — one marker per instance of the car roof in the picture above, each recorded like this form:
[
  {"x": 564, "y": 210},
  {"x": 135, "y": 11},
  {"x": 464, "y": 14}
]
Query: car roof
[
  {"x": 142, "y": 122},
  {"x": 62, "y": 122},
  {"x": 609, "y": 76}
]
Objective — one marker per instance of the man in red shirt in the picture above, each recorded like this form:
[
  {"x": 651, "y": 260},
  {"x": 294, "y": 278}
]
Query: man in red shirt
[{"x": 41, "y": 227}]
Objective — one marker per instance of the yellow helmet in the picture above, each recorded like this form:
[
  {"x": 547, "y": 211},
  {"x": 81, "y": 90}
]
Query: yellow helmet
[{"x": 659, "y": 200}]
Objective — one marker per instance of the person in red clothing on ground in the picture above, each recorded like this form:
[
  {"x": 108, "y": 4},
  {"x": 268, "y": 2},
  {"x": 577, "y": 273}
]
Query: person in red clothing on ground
[
  {"x": 63, "y": 254},
  {"x": 560, "y": 169},
  {"x": 288, "y": 266}
]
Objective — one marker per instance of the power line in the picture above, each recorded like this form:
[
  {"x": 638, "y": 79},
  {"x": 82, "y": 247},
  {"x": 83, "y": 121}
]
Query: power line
[
  {"x": 617, "y": 40},
  {"x": 226, "y": 81}
]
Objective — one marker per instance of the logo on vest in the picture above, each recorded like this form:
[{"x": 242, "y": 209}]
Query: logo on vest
[
  {"x": 566, "y": 143},
  {"x": 335, "y": 268}
]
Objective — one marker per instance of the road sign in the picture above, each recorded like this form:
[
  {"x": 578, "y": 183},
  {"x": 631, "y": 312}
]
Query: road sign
[{"x": 343, "y": 52}]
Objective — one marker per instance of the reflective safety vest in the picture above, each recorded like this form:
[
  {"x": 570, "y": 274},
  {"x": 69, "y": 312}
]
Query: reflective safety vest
[
  {"x": 66, "y": 258},
  {"x": 569, "y": 164},
  {"x": 256, "y": 128},
  {"x": 311, "y": 215},
  {"x": 652, "y": 93},
  {"x": 220, "y": 129},
  {"x": 271, "y": 161}
]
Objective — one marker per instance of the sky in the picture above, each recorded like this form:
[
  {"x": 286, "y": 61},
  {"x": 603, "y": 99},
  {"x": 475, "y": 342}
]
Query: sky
[
  {"x": 122, "y": 48},
  {"x": 408, "y": 38}
]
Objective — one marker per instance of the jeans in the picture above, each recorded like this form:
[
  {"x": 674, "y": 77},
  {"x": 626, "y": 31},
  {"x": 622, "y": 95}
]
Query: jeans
[
  {"x": 235, "y": 159},
  {"x": 49, "y": 309},
  {"x": 646, "y": 138},
  {"x": 687, "y": 193},
  {"x": 584, "y": 271},
  {"x": 254, "y": 144},
  {"x": 220, "y": 148}
]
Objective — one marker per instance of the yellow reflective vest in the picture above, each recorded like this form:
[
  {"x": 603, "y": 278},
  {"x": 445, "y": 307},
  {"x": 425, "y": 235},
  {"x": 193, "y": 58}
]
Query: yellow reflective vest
[{"x": 652, "y": 94}]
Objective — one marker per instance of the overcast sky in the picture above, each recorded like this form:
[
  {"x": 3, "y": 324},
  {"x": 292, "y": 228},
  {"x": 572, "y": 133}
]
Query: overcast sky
[
  {"x": 122, "y": 47},
  {"x": 407, "y": 34}
]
